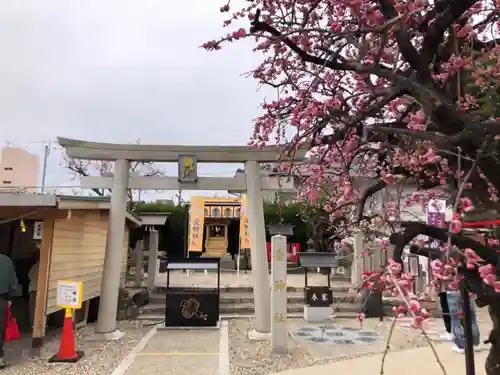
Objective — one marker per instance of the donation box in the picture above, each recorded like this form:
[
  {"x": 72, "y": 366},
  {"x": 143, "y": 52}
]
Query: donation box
[{"x": 188, "y": 306}]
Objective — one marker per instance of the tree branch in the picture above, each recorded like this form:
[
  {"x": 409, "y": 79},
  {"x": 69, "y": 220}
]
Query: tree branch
[{"x": 414, "y": 229}]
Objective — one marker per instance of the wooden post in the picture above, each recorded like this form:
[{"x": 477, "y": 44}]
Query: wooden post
[
  {"x": 43, "y": 283},
  {"x": 139, "y": 263}
]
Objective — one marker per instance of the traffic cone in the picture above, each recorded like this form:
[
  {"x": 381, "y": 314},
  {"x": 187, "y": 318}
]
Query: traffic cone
[{"x": 67, "y": 349}]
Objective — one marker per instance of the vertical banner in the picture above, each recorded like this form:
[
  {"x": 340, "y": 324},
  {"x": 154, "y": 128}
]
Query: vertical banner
[
  {"x": 436, "y": 210},
  {"x": 436, "y": 213},
  {"x": 196, "y": 221},
  {"x": 244, "y": 236},
  {"x": 279, "y": 298}
]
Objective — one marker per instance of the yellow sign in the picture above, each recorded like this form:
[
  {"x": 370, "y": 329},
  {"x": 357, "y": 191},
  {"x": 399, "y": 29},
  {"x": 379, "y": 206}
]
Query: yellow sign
[
  {"x": 196, "y": 224},
  {"x": 69, "y": 294},
  {"x": 279, "y": 285},
  {"x": 278, "y": 256},
  {"x": 279, "y": 318},
  {"x": 187, "y": 168},
  {"x": 244, "y": 236}
]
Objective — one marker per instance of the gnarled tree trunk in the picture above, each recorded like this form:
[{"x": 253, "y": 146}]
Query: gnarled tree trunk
[{"x": 492, "y": 364}]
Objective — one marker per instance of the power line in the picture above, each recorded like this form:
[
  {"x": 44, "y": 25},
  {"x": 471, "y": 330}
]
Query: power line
[{"x": 12, "y": 187}]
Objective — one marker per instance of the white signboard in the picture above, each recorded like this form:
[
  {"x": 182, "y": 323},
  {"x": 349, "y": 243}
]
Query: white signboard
[
  {"x": 437, "y": 206},
  {"x": 38, "y": 230},
  {"x": 69, "y": 294}
]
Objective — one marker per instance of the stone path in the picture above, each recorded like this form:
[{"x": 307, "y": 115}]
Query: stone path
[
  {"x": 409, "y": 362},
  {"x": 179, "y": 352},
  {"x": 433, "y": 327}
]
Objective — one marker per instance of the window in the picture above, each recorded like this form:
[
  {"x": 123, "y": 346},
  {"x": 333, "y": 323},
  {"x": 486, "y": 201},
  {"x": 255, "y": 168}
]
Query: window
[
  {"x": 6, "y": 182},
  {"x": 8, "y": 168},
  {"x": 227, "y": 212},
  {"x": 215, "y": 212}
]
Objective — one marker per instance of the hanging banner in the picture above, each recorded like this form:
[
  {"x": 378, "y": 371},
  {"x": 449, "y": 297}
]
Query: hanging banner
[
  {"x": 436, "y": 214},
  {"x": 196, "y": 221},
  {"x": 436, "y": 211},
  {"x": 244, "y": 238}
]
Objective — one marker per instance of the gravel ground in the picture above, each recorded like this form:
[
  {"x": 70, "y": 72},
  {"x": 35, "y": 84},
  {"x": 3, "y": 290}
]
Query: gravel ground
[
  {"x": 100, "y": 357},
  {"x": 255, "y": 358}
]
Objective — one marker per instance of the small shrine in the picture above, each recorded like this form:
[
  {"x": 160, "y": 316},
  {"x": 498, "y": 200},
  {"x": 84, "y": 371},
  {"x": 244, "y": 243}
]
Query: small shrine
[{"x": 218, "y": 226}]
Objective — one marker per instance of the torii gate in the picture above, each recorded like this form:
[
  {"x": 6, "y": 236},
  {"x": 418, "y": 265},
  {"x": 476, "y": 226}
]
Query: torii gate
[{"x": 187, "y": 157}]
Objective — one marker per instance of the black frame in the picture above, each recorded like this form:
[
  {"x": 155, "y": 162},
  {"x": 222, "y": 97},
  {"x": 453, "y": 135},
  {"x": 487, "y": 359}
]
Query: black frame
[
  {"x": 199, "y": 263},
  {"x": 318, "y": 290}
]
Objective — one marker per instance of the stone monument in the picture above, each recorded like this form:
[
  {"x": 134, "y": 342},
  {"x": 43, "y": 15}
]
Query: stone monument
[{"x": 279, "y": 329}]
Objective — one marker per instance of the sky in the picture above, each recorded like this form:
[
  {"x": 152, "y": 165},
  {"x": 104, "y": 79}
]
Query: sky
[{"x": 118, "y": 71}]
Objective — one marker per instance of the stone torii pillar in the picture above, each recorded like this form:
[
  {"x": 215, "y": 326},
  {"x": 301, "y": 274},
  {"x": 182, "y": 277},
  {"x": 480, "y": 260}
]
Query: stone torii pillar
[
  {"x": 106, "y": 320},
  {"x": 357, "y": 267},
  {"x": 260, "y": 270}
]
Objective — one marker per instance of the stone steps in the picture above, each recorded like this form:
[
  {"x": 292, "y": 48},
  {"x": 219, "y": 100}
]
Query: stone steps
[
  {"x": 336, "y": 288},
  {"x": 248, "y": 308},
  {"x": 238, "y": 301},
  {"x": 232, "y": 298},
  {"x": 157, "y": 318}
]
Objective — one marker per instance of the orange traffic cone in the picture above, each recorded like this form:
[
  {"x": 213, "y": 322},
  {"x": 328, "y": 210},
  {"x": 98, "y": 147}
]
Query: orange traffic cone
[{"x": 67, "y": 350}]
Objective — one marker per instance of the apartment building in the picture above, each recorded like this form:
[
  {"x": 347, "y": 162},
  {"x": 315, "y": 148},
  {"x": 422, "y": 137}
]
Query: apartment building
[{"x": 19, "y": 170}]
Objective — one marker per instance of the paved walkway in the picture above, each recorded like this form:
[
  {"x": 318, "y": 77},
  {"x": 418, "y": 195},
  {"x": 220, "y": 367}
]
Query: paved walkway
[
  {"x": 416, "y": 361},
  {"x": 179, "y": 352}
]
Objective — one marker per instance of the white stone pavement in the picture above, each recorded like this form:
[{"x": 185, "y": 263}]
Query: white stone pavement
[
  {"x": 416, "y": 361},
  {"x": 179, "y": 352}
]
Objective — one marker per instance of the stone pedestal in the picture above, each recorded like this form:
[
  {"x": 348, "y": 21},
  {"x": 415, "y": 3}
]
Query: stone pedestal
[{"x": 316, "y": 314}]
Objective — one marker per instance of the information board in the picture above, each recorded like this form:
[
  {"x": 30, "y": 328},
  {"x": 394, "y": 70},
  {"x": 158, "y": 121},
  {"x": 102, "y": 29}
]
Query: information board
[{"x": 69, "y": 294}]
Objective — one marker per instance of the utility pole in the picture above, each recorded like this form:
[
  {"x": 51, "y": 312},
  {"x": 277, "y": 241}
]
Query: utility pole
[
  {"x": 179, "y": 197},
  {"x": 44, "y": 169}
]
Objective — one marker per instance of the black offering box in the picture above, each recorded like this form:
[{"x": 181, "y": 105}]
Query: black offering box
[{"x": 193, "y": 306}]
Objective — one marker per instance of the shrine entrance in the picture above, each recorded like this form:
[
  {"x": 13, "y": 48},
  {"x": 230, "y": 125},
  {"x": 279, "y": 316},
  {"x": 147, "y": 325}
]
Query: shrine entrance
[
  {"x": 187, "y": 157},
  {"x": 223, "y": 229}
]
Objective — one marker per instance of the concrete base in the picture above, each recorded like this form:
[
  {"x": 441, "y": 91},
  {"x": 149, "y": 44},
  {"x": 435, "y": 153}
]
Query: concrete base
[
  {"x": 253, "y": 335},
  {"x": 111, "y": 336},
  {"x": 317, "y": 314}
]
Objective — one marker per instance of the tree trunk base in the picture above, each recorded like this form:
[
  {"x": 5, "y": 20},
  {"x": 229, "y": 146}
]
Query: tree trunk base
[{"x": 492, "y": 365}]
